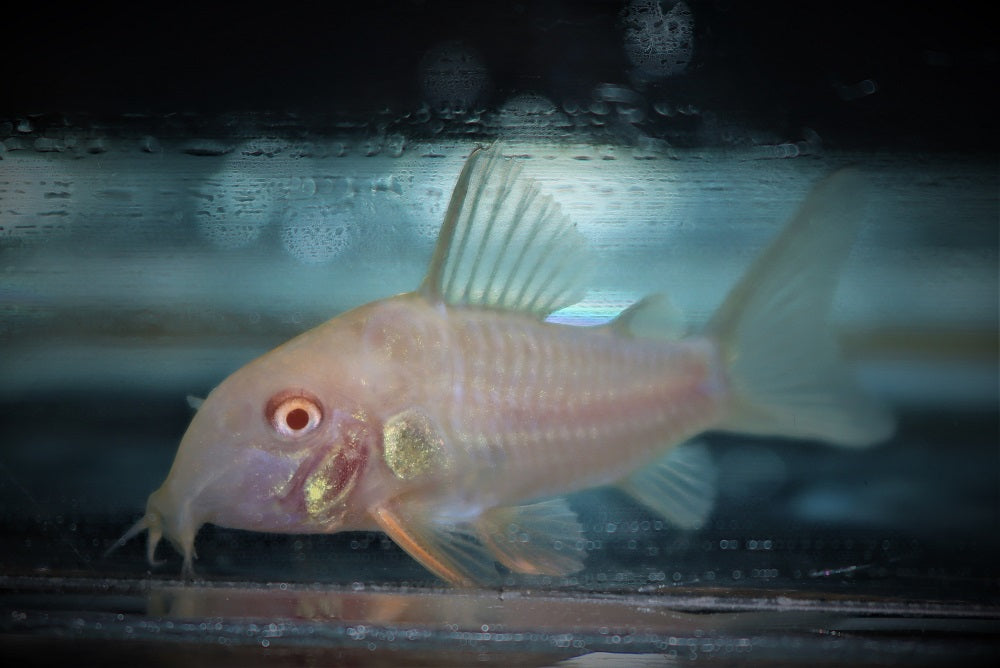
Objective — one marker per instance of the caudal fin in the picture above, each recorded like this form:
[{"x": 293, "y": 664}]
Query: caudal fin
[{"x": 785, "y": 372}]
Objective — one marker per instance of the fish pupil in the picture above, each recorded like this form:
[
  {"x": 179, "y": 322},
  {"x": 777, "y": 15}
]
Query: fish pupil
[{"x": 297, "y": 418}]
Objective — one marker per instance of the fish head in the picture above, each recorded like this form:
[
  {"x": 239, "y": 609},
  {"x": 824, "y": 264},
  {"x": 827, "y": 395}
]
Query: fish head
[{"x": 279, "y": 446}]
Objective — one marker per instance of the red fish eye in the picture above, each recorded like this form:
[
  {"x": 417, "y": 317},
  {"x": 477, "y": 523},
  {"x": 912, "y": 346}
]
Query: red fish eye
[{"x": 293, "y": 414}]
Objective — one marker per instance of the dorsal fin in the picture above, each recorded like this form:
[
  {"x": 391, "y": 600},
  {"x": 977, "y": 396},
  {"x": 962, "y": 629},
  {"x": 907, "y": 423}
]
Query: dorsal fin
[{"x": 504, "y": 244}]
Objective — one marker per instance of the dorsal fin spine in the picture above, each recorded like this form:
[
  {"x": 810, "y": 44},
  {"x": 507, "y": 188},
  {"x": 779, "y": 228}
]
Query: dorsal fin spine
[
  {"x": 432, "y": 282},
  {"x": 463, "y": 242},
  {"x": 498, "y": 206}
]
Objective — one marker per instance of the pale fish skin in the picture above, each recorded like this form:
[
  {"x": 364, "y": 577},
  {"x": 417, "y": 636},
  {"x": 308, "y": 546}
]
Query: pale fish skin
[{"x": 455, "y": 418}]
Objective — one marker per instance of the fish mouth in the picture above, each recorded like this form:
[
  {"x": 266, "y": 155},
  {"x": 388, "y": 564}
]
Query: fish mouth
[{"x": 320, "y": 487}]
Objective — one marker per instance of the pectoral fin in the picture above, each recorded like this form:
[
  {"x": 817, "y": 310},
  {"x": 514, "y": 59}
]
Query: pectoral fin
[
  {"x": 449, "y": 550},
  {"x": 538, "y": 539},
  {"x": 680, "y": 487}
]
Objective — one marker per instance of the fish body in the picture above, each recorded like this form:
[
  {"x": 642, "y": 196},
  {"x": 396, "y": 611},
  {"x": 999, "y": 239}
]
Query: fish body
[
  {"x": 455, "y": 417},
  {"x": 521, "y": 408}
]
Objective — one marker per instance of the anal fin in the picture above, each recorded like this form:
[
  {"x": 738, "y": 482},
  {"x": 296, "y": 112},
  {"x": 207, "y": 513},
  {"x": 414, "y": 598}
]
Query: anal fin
[
  {"x": 538, "y": 539},
  {"x": 680, "y": 487}
]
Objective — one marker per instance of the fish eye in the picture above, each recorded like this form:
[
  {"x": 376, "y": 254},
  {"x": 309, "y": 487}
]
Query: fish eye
[{"x": 293, "y": 414}]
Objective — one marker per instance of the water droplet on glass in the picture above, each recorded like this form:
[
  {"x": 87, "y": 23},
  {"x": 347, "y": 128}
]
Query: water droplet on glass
[
  {"x": 315, "y": 233},
  {"x": 48, "y": 145},
  {"x": 234, "y": 209},
  {"x": 35, "y": 210},
  {"x": 150, "y": 145}
]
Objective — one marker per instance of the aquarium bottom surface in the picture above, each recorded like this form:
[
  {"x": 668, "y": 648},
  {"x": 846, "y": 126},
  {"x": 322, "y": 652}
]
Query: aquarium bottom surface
[{"x": 58, "y": 620}]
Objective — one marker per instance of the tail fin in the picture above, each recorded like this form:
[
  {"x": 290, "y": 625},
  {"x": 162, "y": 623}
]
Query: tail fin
[{"x": 786, "y": 375}]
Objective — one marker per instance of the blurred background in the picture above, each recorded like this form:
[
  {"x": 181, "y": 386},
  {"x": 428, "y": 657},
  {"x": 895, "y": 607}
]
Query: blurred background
[{"x": 184, "y": 187}]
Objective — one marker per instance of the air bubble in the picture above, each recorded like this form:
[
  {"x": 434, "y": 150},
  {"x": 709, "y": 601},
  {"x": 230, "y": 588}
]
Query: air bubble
[
  {"x": 659, "y": 44},
  {"x": 315, "y": 233},
  {"x": 395, "y": 144}
]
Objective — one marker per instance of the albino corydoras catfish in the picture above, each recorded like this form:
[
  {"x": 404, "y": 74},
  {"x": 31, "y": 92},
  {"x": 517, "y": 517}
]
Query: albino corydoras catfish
[{"x": 456, "y": 418}]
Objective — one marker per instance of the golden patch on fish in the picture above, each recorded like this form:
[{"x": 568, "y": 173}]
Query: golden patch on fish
[{"x": 412, "y": 446}]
